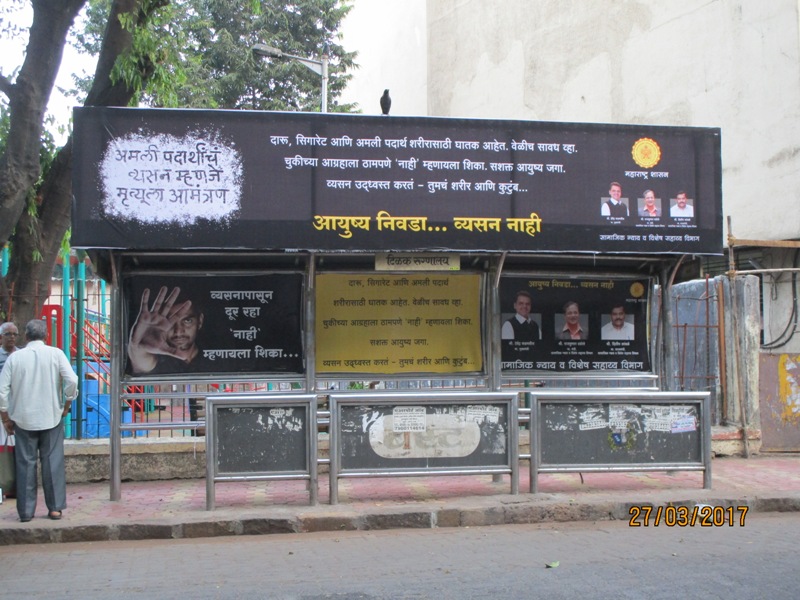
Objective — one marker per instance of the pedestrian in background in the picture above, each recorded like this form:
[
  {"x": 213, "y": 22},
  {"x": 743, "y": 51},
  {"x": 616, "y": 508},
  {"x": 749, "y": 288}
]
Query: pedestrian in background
[
  {"x": 8, "y": 341},
  {"x": 37, "y": 386},
  {"x": 8, "y": 344}
]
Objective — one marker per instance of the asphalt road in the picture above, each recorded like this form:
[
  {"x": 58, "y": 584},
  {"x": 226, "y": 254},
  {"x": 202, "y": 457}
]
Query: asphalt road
[{"x": 595, "y": 560}]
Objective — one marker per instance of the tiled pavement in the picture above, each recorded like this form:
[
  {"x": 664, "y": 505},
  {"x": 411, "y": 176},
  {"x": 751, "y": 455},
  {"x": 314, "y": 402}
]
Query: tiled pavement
[{"x": 177, "y": 508}]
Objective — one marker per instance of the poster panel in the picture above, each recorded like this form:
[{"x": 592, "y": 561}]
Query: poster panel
[
  {"x": 415, "y": 323},
  {"x": 381, "y": 436},
  {"x": 222, "y": 324},
  {"x": 620, "y": 433},
  {"x": 261, "y": 439},
  {"x": 571, "y": 324},
  {"x": 175, "y": 179}
]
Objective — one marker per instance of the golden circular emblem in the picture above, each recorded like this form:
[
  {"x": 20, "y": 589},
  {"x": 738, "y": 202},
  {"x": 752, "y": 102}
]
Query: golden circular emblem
[
  {"x": 637, "y": 290},
  {"x": 646, "y": 153}
]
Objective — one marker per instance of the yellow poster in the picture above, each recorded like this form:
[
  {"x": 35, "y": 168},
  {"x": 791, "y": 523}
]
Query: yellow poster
[
  {"x": 415, "y": 323},
  {"x": 789, "y": 387}
]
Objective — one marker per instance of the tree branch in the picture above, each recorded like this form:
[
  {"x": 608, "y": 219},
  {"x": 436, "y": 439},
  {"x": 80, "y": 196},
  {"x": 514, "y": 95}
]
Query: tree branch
[
  {"x": 6, "y": 86},
  {"x": 27, "y": 102}
]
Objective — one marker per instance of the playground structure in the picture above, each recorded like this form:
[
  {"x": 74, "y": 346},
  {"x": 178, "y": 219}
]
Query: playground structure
[{"x": 77, "y": 318}]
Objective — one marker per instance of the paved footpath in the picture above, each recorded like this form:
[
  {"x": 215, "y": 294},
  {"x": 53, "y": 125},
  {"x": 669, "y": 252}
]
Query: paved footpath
[{"x": 177, "y": 508}]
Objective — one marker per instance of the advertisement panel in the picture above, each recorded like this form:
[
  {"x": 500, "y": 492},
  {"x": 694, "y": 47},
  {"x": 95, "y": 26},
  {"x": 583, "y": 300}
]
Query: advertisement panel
[
  {"x": 415, "y": 323},
  {"x": 176, "y": 179},
  {"x": 620, "y": 433},
  {"x": 222, "y": 324},
  {"x": 574, "y": 323},
  {"x": 391, "y": 436}
]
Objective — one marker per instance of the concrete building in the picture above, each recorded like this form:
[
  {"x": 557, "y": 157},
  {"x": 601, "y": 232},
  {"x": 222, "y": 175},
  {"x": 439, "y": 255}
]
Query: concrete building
[{"x": 725, "y": 63}]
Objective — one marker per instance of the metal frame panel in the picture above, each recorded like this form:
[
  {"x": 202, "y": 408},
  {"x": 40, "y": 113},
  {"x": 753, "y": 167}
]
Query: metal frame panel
[
  {"x": 213, "y": 403},
  {"x": 606, "y": 396},
  {"x": 339, "y": 400}
]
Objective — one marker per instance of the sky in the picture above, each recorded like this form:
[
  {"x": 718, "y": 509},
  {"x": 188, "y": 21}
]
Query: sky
[
  {"x": 390, "y": 38},
  {"x": 12, "y": 54}
]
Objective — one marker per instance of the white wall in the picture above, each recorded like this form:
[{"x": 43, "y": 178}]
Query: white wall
[
  {"x": 726, "y": 64},
  {"x": 390, "y": 37},
  {"x": 709, "y": 63}
]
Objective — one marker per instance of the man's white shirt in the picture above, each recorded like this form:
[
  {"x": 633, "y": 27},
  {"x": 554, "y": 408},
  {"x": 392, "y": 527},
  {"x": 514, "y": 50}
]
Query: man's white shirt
[{"x": 609, "y": 332}]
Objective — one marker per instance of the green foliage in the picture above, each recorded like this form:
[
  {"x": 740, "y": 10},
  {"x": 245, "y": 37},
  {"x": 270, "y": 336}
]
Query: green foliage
[
  {"x": 153, "y": 67},
  {"x": 196, "y": 54},
  {"x": 65, "y": 247},
  {"x": 5, "y": 123},
  {"x": 89, "y": 38},
  {"x": 231, "y": 77}
]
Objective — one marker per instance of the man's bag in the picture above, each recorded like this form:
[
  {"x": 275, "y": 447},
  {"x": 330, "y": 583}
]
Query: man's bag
[{"x": 8, "y": 475}]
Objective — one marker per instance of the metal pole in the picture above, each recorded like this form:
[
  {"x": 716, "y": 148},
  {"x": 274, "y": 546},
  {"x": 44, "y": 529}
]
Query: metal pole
[
  {"x": 324, "y": 83},
  {"x": 737, "y": 340},
  {"x": 320, "y": 67},
  {"x": 103, "y": 308},
  {"x": 115, "y": 435},
  {"x": 66, "y": 309},
  {"x": 723, "y": 359},
  {"x": 496, "y": 366},
  {"x": 80, "y": 310},
  {"x": 211, "y": 464}
]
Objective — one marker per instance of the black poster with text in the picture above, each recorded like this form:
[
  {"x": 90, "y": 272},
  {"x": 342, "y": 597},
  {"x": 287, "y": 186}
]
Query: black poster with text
[
  {"x": 220, "y": 324},
  {"x": 574, "y": 324},
  {"x": 155, "y": 179}
]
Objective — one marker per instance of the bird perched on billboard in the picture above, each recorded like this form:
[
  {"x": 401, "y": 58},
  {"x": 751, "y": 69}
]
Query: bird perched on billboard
[{"x": 386, "y": 102}]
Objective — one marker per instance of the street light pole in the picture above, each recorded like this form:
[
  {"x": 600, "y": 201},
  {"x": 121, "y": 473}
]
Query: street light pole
[{"x": 320, "y": 67}]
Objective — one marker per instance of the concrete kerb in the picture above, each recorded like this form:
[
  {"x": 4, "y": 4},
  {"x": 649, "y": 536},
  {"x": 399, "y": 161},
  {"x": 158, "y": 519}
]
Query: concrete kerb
[
  {"x": 185, "y": 459},
  {"x": 466, "y": 512}
]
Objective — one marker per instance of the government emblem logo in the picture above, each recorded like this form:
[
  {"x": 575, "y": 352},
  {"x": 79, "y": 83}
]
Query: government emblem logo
[{"x": 646, "y": 153}]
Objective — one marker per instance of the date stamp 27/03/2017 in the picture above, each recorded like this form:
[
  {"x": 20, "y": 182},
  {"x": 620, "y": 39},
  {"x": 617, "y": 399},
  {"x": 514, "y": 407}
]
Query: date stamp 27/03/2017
[{"x": 703, "y": 515}]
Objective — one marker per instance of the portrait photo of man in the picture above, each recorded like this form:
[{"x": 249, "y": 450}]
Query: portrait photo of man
[
  {"x": 164, "y": 337},
  {"x": 618, "y": 326},
  {"x": 179, "y": 324},
  {"x": 521, "y": 327},
  {"x": 575, "y": 325},
  {"x": 681, "y": 207},
  {"x": 614, "y": 206},
  {"x": 650, "y": 205}
]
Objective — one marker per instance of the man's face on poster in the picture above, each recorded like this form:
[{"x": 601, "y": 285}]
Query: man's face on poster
[
  {"x": 523, "y": 306},
  {"x": 183, "y": 334},
  {"x": 572, "y": 314},
  {"x": 618, "y": 317},
  {"x": 681, "y": 200},
  {"x": 615, "y": 192}
]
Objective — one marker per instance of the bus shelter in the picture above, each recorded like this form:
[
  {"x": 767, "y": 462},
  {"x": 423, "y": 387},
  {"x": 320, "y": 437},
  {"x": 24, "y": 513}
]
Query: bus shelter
[{"x": 308, "y": 253}]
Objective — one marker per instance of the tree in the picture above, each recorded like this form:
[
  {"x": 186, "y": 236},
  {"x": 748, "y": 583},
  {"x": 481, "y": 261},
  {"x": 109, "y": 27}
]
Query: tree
[
  {"x": 189, "y": 54},
  {"x": 210, "y": 65},
  {"x": 36, "y": 234},
  {"x": 228, "y": 77}
]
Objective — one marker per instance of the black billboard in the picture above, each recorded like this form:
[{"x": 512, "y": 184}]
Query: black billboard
[
  {"x": 220, "y": 324},
  {"x": 157, "y": 179},
  {"x": 573, "y": 324}
]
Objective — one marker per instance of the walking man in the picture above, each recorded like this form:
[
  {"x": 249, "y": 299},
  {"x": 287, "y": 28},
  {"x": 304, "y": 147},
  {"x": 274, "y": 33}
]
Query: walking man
[{"x": 37, "y": 386}]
